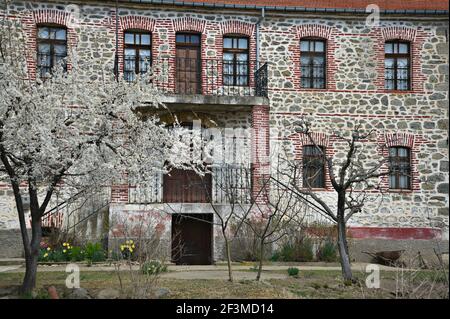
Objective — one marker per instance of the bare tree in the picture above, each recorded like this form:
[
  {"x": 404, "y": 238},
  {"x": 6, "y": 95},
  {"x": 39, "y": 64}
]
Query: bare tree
[
  {"x": 352, "y": 177},
  {"x": 273, "y": 215}
]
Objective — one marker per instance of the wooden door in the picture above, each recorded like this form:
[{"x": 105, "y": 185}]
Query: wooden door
[
  {"x": 192, "y": 239},
  {"x": 186, "y": 186},
  {"x": 188, "y": 64}
]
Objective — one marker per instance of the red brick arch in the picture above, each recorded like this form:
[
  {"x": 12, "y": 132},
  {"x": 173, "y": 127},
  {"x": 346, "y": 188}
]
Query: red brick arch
[
  {"x": 411, "y": 141},
  {"x": 416, "y": 38},
  {"x": 135, "y": 23},
  {"x": 32, "y": 19},
  {"x": 318, "y": 31}
]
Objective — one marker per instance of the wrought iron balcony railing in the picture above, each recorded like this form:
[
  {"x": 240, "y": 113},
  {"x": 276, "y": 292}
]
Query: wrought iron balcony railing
[
  {"x": 217, "y": 77},
  {"x": 228, "y": 184}
]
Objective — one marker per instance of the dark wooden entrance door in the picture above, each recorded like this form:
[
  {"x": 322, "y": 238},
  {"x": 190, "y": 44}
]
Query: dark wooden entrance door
[
  {"x": 186, "y": 186},
  {"x": 192, "y": 239},
  {"x": 188, "y": 64}
]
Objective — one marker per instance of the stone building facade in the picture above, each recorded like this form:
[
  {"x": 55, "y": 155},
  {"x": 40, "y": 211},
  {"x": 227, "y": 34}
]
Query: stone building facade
[{"x": 353, "y": 91}]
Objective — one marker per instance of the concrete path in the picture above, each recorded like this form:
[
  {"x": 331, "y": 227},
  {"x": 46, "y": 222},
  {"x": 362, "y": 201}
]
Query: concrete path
[
  {"x": 206, "y": 272},
  {"x": 9, "y": 268}
]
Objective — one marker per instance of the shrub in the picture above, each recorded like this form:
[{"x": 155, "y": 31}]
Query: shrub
[
  {"x": 298, "y": 249},
  {"x": 327, "y": 251},
  {"x": 76, "y": 254},
  {"x": 94, "y": 252},
  {"x": 153, "y": 267},
  {"x": 293, "y": 271}
]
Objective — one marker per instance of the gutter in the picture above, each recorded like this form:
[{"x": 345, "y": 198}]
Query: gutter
[
  {"x": 285, "y": 8},
  {"x": 258, "y": 44}
]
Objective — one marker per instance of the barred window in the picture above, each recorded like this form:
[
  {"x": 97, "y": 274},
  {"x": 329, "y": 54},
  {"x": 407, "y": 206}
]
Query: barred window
[
  {"x": 313, "y": 63},
  {"x": 313, "y": 166},
  {"x": 400, "y": 168},
  {"x": 137, "y": 53},
  {"x": 235, "y": 61},
  {"x": 397, "y": 65},
  {"x": 51, "y": 49}
]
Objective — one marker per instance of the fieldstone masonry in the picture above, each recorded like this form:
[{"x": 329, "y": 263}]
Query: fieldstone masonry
[{"x": 354, "y": 91}]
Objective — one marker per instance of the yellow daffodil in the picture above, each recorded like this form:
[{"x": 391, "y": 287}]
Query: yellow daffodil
[
  {"x": 45, "y": 255},
  {"x": 48, "y": 249},
  {"x": 132, "y": 246},
  {"x": 64, "y": 251}
]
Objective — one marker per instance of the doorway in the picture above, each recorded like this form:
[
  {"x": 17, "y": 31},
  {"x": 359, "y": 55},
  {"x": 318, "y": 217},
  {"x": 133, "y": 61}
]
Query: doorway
[
  {"x": 192, "y": 239},
  {"x": 188, "y": 63}
]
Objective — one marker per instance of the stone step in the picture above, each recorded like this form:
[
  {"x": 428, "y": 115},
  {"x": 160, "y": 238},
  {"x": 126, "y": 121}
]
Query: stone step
[{"x": 12, "y": 261}]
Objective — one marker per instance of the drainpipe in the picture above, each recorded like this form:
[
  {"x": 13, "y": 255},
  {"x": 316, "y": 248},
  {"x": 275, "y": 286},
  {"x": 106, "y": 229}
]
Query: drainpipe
[{"x": 258, "y": 47}]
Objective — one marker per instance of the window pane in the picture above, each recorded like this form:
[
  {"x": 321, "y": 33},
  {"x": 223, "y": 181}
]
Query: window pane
[
  {"x": 144, "y": 54},
  {"x": 242, "y": 57},
  {"x": 243, "y": 43},
  {"x": 43, "y": 33},
  {"x": 60, "y": 50},
  {"x": 129, "y": 38},
  {"x": 195, "y": 39},
  {"x": 44, "y": 48},
  {"x": 320, "y": 46},
  {"x": 389, "y": 63},
  {"x": 228, "y": 56},
  {"x": 402, "y": 63},
  {"x": 145, "y": 39},
  {"x": 402, "y": 152},
  {"x": 61, "y": 34},
  {"x": 304, "y": 46},
  {"x": 181, "y": 38},
  {"x": 389, "y": 47},
  {"x": 403, "y": 182},
  {"x": 403, "y": 48},
  {"x": 130, "y": 53},
  {"x": 227, "y": 43}
]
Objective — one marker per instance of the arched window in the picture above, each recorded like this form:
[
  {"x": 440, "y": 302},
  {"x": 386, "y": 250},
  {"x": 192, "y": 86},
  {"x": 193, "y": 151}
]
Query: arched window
[
  {"x": 313, "y": 166},
  {"x": 235, "y": 60},
  {"x": 397, "y": 64},
  {"x": 137, "y": 53},
  {"x": 313, "y": 63},
  {"x": 400, "y": 168},
  {"x": 51, "y": 48}
]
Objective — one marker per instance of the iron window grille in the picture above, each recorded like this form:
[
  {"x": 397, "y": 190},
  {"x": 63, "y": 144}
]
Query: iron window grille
[
  {"x": 400, "y": 168},
  {"x": 51, "y": 49},
  {"x": 236, "y": 61},
  {"x": 137, "y": 54},
  {"x": 313, "y": 63},
  {"x": 313, "y": 166},
  {"x": 397, "y": 71}
]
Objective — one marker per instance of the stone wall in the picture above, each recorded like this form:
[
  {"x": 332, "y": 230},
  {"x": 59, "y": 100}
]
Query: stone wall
[{"x": 355, "y": 86}]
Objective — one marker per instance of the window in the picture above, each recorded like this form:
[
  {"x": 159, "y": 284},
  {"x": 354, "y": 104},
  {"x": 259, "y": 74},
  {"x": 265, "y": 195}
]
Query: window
[
  {"x": 137, "y": 54},
  {"x": 52, "y": 49},
  {"x": 313, "y": 65},
  {"x": 400, "y": 168},
  {"x": 235, "y": 61},
  {"x": 397, "y": 65},
  {"x": 313, "y": 167}
]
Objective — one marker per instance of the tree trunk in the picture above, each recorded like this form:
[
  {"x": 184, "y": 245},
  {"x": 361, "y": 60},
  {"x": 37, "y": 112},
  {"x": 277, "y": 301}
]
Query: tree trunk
[
  {"x": 228, "y": 252},
  {"x": 31, "y": 258},
  {"x": 342, "y": 239},
  {"x": 343, "y": 252},
  {"x": 261, "y": 256}
]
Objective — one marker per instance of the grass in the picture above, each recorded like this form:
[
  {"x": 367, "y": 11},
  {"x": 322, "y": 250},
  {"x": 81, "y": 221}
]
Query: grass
[{"x": 308, "y": 284}]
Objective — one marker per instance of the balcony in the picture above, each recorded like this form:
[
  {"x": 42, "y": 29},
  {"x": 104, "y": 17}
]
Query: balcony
[
  {"x": 205, "y": 81},
  {"x": 223, "y": 185}
]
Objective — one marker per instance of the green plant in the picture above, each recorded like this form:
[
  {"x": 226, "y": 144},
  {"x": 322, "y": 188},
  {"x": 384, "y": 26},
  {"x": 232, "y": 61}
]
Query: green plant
[
  {"x": 327, "y": 251},
  {"x": 94, "y": 252},
  {"x": 293, "y": 271},
  {"x": 76, "y": 254},
  {"x": 153, "y": 267},
  {"x": 298, "y": 249}
]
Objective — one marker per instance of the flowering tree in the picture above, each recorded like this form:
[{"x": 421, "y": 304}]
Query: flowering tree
[{"x": 71, "y": 130}]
